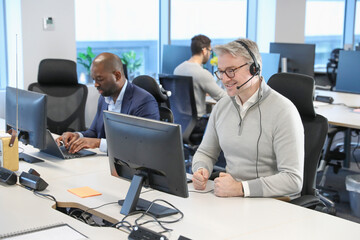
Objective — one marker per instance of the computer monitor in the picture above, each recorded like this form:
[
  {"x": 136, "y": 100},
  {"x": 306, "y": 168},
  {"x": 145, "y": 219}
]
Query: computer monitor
[
  {"x": 348, "y": 72},
  {"x": 270, "y": 64},
  {"x": 27, "y": 111},
  {"x": 148, "y": 153},
  {"x": 174, "y": 55},
  {"x": 300, "y": 57}
]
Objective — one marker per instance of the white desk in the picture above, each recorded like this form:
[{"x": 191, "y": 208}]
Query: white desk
[
  {"x": 341, "y": 115},
  {"x": 338, "y": 114},
  {"x": 206, "y": 216}
]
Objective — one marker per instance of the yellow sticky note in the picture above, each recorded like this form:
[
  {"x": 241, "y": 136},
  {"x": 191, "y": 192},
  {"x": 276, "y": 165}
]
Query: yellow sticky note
[{"x": 84, "y": 192}]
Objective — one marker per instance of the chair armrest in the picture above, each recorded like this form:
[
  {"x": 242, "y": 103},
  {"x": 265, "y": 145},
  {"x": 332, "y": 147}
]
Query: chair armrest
[{"x": 308, "y": 201}]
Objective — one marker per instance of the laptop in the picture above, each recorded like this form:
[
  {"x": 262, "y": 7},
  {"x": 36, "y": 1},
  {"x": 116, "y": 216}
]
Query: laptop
[{"x": 53, "y": 149}]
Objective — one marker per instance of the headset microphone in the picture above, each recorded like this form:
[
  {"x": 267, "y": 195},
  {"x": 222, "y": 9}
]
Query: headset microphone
[
  {"x": 246, "y": 82},
  {"x": 254, "y": 67}
]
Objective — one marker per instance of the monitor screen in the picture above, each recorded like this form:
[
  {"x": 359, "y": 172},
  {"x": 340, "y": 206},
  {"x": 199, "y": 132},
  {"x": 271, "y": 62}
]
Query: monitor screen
[
  {"x": 298, "y": 57},
  {"x": 174, "y": 55},
  {"x": 31, "y": 110},
  {"x": 270, "y": 64},
  {"x": 348, "y": 72},
  {"x": 148, "y": 153}
]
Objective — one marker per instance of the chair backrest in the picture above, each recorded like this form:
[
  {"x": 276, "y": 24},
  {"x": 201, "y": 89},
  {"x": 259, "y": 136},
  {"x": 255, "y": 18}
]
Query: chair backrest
[
  {"x": 149, "y": 84},
  {"x": 181, "y": 102},
  {"x": 332, "y": 65},
  {"x": 57, "y": 79},
  {"x": 299, "y": 89}
]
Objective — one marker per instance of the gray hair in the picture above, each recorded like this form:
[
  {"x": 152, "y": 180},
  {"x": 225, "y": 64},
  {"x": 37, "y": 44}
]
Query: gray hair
[{"x": 237, "y": 50}]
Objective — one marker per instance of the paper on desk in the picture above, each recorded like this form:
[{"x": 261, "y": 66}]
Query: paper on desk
[
  {"x": 84, "y": 192},
  {"x": 55, "y": 232}
]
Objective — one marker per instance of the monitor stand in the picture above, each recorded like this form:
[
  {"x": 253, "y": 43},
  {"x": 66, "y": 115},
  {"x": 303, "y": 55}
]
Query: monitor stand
[
  {"x": 133, "y": 203},
  {"x": 29, "y": 159}
]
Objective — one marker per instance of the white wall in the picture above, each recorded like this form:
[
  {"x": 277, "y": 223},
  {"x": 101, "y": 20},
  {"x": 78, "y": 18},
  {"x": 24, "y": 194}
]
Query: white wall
[
  {"x": 290, "y": 21},
  {"x": 39, "y": 44}
]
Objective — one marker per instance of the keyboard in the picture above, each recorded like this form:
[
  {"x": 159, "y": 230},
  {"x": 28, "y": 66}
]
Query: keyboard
[
  {"x": 68, "y": 155},
  {"x": 7, "y": 176}
]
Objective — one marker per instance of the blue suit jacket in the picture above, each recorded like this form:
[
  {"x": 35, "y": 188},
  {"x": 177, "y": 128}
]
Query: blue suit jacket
[{"x": 137, "y": 102}]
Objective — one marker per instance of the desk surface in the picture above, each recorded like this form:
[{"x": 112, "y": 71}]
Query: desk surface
[
  {"x": 337, "y": 113},
  {"x": 206, "y": 216}
]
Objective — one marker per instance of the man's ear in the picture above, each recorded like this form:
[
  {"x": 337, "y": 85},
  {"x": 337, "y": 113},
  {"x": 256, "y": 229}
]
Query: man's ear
[{"x": 118, "y": 75}]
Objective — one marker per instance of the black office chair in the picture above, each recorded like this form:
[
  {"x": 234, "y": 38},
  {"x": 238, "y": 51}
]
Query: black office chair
[
  {"x": 57, "y": 79},
  {"x": 332, "y": 65},
  {"x": 330, "y": 152},
  {"x": 182, "y": 104},
  {"x": 299, "y": 89},
  {"x": 150, "y": 85}
]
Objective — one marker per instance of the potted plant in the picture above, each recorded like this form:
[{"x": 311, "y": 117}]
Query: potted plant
[
  {"x": 132, "y": 63},
  {"x": 85, "y": 59}
]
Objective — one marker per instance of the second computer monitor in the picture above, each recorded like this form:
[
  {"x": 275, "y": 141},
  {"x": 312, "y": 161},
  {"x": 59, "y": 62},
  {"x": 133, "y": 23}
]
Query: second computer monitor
[
  {"x": 297, "y": 57},
  {"x": 174, "y": 55},
  {"x": 348, "y": 72}
]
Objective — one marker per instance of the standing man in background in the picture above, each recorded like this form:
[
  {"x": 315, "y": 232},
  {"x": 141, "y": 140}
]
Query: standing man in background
[{"x": 203, "y": 80}]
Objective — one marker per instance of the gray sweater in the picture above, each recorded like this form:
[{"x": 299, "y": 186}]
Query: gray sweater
[
  {"x": 203, "y": 83},
  {"x": 280, "y": 149}
]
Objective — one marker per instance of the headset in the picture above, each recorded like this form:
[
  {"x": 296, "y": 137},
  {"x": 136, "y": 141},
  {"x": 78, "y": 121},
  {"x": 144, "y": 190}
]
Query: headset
[
  {"x": 254, "y": 67},
  {"x": 254, "y": 70}
]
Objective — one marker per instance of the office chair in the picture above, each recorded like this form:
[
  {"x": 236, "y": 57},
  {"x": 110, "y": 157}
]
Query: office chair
[
  {"x": 182, "y": 104},
  {"x": 299, "y": 89},
  {"x": 57, "y": 78},
  {"x": 331, "y": 153},
  {"x": 160, "y": 95},
  {"x": 332, "y": 66}
]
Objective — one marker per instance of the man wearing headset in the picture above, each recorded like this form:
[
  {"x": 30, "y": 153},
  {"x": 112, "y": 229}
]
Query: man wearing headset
[{"x": 259, "y": 131}]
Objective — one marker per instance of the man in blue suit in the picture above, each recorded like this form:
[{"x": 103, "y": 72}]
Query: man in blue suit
[{"x": 117, "y": 95}]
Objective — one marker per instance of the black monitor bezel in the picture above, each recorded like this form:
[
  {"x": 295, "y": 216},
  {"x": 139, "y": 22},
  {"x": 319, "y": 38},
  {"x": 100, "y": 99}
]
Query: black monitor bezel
[
  {"x": 302, "y": 54},
  {"x": 32, "y": 115},
  {"x": 141, "y": 161}
]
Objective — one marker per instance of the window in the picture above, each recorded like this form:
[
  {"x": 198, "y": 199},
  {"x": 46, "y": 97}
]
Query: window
[
  {"x": 119, "y": 26},
  {"x": 3, "y": 65},
  {"x": 221, "y": 20},
  {"x": 324, "y": 26},
  {"x": 357, "y": 24}
]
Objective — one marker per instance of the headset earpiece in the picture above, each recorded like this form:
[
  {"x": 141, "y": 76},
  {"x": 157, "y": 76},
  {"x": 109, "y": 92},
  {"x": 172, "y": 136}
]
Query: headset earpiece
[
  {"x": 254, "y": 70},
  {"x": 254, "y": 67}
]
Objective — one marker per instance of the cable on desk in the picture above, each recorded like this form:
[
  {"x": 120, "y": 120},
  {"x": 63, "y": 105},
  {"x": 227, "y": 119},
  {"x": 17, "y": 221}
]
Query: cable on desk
[
  {"x": 86, "y": 211},
  {"x": 149, "y": 190},
  {"x": 48, "y": 196},
  {"x": 195, "y": 191},
  {"x": 87, "y": 217},
  {"x": 160, "y": 222},
  {"x": 130, "y": 227}
]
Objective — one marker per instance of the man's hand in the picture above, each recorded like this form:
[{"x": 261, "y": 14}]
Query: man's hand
[
  {"x": 82, "y": 143},
  {"x": 67, "y": 138},
  {"x": 200, "y": 178},
  {"x": 226, "y": 186}
]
